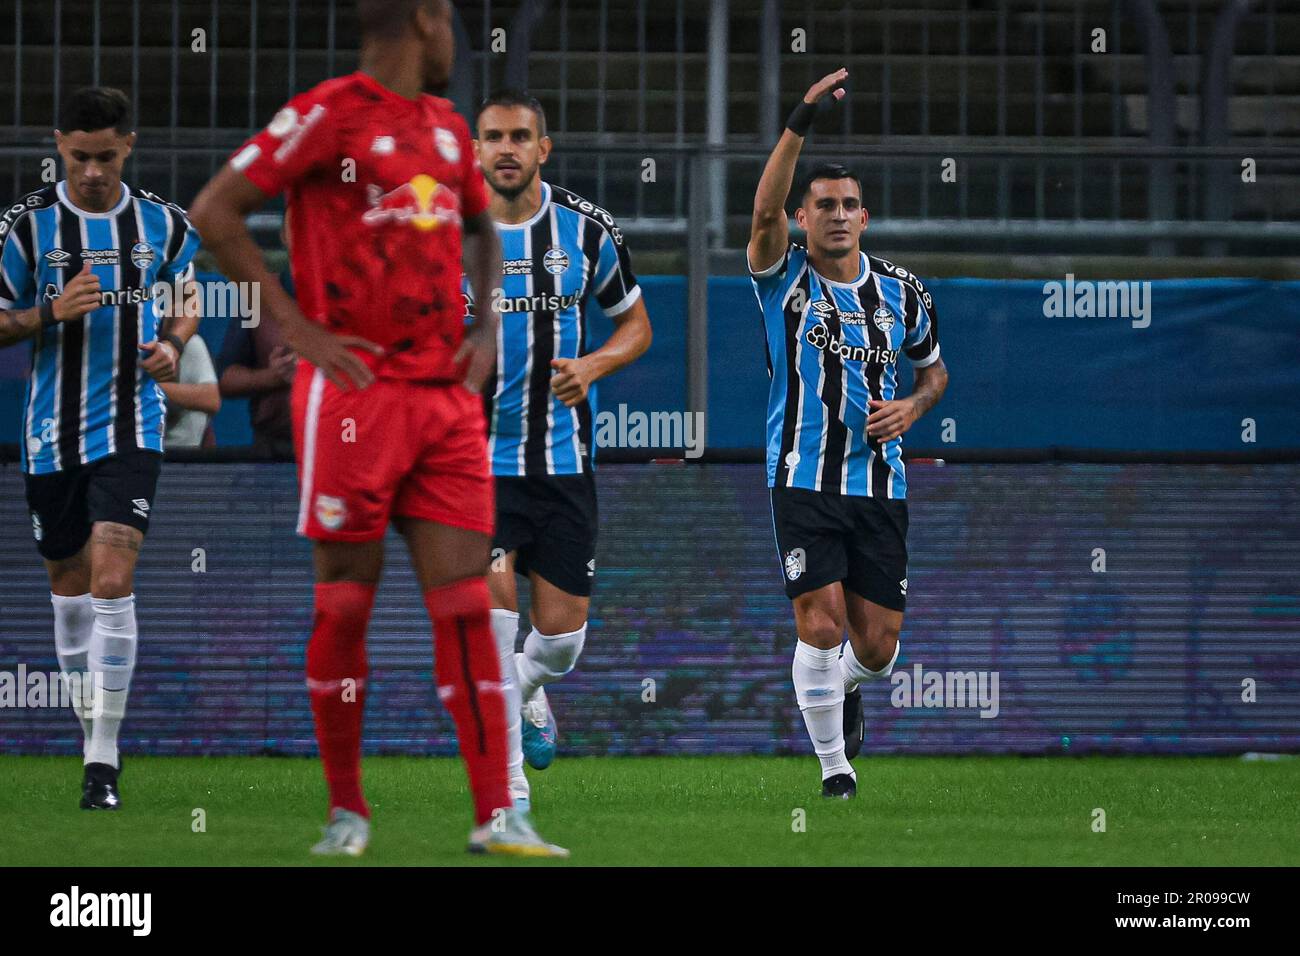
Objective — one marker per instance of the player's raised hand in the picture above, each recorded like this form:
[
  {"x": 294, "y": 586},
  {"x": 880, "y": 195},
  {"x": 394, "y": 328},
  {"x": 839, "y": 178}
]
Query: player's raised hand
[
  {"x": 163, "y": 364},
  {"x": 830, "y": 83},
  {"x": 479, "y": 353},
  {"x": 330, "y": 353},
  {"x": 888, "y": 420},
  {"x": 80, "y": 296},
  {"x": 570, "y": 381}
]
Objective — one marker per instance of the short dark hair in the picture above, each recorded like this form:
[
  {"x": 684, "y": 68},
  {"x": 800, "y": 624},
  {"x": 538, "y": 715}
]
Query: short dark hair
[
  {"x": 93, "y": 108},
  {"x": 828, "y": 171},
  {"x": 511, "y": 97},
  {"x": 387, "y": 19}
]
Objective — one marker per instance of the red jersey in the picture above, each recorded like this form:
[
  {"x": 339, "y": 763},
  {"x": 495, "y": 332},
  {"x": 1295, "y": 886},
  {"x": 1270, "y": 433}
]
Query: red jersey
[{"x": 377, "y": 185}]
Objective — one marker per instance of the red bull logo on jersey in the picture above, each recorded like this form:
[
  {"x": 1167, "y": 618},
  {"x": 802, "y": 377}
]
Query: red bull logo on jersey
[{"x": 423, "y": 203}]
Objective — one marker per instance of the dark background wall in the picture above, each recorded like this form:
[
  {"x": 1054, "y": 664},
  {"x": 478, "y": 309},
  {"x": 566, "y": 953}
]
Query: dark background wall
[{"x": 1200, "y": 593}]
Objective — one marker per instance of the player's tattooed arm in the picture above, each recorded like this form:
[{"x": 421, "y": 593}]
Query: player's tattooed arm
[
  {"x": 18, "y": 324},
  {"x": 889, "y": 420},
  {"x": 769, "y": 232},
  {"x": 80, "y": 296}
]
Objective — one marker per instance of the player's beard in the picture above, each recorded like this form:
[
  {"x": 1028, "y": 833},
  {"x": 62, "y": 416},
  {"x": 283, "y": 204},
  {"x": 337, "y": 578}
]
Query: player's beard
[{"x": 514, "y": 192}]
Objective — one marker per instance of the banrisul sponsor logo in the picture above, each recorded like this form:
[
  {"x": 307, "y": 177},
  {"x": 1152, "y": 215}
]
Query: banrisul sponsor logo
[
  {"x": 1086, "y": 299},
  {"x": 547, "y": 302},
  {"x": 919, "y": 687},
  {"x": 78, "y": 908}
]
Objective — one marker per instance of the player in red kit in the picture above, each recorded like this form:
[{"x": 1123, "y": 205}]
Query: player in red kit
[{"x": 381, "y": 183}]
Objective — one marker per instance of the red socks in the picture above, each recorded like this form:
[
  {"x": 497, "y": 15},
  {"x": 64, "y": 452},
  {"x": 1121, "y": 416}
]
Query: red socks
[
  {"x": 469, "y": 684},
  {"x": 336, "y": 680}
]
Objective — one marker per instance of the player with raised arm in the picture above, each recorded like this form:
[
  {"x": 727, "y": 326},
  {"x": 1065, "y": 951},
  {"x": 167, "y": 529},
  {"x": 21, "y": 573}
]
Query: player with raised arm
[
  {"x": 388, "y": 421},
  {"x": 560, "y": 252},
  {"x": 100, "y": 278},
  {"x": 836, "y": 321}
]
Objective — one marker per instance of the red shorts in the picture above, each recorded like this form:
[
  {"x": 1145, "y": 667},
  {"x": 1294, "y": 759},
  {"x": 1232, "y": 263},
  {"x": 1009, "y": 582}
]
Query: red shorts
[{"x": 394, "y": 448}]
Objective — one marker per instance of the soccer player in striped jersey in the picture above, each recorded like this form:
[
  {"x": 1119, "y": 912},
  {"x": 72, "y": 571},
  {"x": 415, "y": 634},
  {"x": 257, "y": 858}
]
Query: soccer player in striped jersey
[
  {"x": 559, "y": 252},
  {"x": 836, "y": 323},
  {"x": 91, "y": 272}
]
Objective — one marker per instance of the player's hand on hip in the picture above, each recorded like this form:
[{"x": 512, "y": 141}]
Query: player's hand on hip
[
  {"x": 330, "y": 353},
  {"x": 478, "y": 352},
  {"x": 827, "y": 83},
  {"x": 163, "y": 364},
  {"x": 80, "y": 296},
  {"x": 888, "y": 420},
  {"x": 570, "y": 380}
]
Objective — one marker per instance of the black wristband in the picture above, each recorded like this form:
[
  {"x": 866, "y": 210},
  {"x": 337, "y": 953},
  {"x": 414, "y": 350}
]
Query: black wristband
[
  {"x": 174, "y": 342},
  {"x": 801, "y": 118},
  {"x": 47, "y": 313}
]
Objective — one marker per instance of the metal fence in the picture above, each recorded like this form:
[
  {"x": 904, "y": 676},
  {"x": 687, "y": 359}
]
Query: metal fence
[{"x": 1101, "y": 125}]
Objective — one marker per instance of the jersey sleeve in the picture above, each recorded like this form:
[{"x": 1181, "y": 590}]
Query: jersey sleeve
[
  {"x": 773, "y": 273},
  {"x": 181, "y": 247},
  {"x": 299, "y": 140},
  {"x": 772, "y": 284},
  {"x": 17, "y": 277},
  {"x": 616, "y": 287},
  {"x": 473, "y": 193},
  {"x": 921, "y": 344}
]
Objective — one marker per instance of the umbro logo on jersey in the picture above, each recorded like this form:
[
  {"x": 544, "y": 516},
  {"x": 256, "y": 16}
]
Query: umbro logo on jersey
[
  {"x": 383, "y": 146},
  {"x": 57, "y": 258},
  {"x": 822, "y": 309},
  {"x": 902, "y": 586},
  {"x": 141, "y": 507}
]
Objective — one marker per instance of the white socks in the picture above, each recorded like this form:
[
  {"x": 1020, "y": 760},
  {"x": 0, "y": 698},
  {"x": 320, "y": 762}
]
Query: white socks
[
  {"x": 547, "y": 658},
  {"x": 111, "y": 656},
  {"x": 505, "y": 628},
  {"x": 819, "y": 689},
  {"x": 73, "y": 619},
  {"x": 853, "y": 673}
]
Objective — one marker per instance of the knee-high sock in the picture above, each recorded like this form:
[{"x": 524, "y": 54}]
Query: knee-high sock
[
  {"x": 505, "y": 628},
  {"x": 74, "y": 619},
  {"x": 111, "y": 660},
  {"x": 547, "y": 657},
  {"x": 469, "y": 684},
  {"x": 854, "y": 673},
  {"x": 336, "y": 681},
  {"x": 820, "y": 693}
]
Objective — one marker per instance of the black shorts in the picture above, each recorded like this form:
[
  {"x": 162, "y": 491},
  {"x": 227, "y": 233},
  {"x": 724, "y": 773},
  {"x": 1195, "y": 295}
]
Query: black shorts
[
  {"x": 549, "y": 521},
  {"x": 823, "y": 537},
  {"x": 65, "y": 504}
]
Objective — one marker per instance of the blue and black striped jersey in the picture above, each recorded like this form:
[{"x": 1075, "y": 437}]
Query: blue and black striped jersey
[
  {"x": 552, "y": 264},
  {"x": 86, "y": 396},
  {"x": 831, "y": 348}
]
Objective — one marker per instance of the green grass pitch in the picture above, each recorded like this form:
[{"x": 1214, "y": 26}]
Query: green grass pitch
[{"x": 724, "y": 811}]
